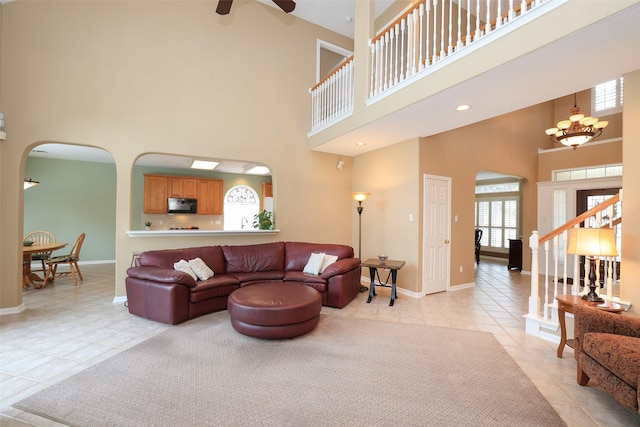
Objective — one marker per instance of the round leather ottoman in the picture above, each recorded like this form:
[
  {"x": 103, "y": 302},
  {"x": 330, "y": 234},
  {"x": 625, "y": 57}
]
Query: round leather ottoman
[{"x": 274, "y": 310}]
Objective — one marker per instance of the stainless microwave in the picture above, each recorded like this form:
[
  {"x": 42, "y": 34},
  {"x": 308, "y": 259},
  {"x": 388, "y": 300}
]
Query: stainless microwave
[{"x": 178, "y": 205}]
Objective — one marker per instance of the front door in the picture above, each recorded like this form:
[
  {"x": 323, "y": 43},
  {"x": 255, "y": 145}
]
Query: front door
[{"x": 436, "y": 249}]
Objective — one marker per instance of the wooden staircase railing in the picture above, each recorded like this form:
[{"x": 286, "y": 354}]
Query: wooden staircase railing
[{"x": 543, "y": 305}]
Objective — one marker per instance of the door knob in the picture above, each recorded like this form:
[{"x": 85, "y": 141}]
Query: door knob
[{"x": 446, "y": 241}]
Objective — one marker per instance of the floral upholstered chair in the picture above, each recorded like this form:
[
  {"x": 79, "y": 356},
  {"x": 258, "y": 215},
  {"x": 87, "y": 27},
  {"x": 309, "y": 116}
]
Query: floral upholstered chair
[{"x": 607, "y": 347}]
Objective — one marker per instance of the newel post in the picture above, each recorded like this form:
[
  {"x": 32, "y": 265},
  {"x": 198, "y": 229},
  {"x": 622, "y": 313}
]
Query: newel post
[{"x": 534, "y": 298}]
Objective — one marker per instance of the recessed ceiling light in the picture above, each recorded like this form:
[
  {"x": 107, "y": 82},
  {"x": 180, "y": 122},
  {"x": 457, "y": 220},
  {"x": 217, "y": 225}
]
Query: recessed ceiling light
[
  {"x": 463, "y": 107},
  {"x": 204, "y": 164},
  {"x": 258, "y": 170},
  {"x": 361, "y": 144}
]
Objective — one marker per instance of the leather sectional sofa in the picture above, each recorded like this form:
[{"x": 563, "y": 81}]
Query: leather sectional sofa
[
  {"x": 607, "y": 347},
  {"x": 156, "y": 291}
]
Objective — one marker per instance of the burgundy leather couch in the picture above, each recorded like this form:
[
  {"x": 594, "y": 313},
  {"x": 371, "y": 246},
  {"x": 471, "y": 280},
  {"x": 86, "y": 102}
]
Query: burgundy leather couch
[{"x": 158, "y": 292}]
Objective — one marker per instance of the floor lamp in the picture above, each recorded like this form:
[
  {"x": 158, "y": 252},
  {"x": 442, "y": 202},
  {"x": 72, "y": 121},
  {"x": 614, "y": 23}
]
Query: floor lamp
[
  {"x": 360, "y": 197},
  {"x": 593, "y": 243}
]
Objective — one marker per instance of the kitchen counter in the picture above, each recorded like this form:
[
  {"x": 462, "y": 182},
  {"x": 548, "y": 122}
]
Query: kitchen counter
[{"x": 183, "y": 233}]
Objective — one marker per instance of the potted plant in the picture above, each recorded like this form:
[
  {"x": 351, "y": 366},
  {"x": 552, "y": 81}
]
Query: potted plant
[
  {"x": 263, "y": 220},
  {"x": 147, "y": 225}
]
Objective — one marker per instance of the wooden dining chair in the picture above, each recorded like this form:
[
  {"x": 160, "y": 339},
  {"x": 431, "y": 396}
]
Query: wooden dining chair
[
  {"x": 40, "y": 238},
  {"x": 70, "y": 259}
]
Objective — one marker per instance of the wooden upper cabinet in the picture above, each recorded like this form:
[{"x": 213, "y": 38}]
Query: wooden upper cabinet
[
  {"x": 157, "y": 188},
  {"x": 183, "y": 187},
  {"x": 210, "y": 196},
  {"x": 204, "y": 199},
  {"x": 175, "y": 187},
  {"x": 218, "y": 197},
  {"x": 267, "y": 191},
  {"x": 190, "y": 188},
  {"x": 155, "y": 194}
]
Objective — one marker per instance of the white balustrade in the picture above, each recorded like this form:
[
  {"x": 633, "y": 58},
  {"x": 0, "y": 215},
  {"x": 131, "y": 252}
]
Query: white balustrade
[
  {"x": 332, "y": 98},
  {"x": 429, "y": 32},
  {"x": 542, "y": 303}
]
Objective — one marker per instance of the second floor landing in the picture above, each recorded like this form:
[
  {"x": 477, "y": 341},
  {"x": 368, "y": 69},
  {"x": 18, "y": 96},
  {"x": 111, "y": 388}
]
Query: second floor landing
[{"x": 556, "y": 48}]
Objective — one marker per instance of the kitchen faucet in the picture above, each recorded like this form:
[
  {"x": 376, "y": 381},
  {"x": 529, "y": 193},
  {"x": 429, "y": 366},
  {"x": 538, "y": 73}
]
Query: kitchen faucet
[{"x": 244, "y": 221}]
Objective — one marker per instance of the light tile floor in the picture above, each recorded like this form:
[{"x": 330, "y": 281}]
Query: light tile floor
[{"x": 66, "y": 329}]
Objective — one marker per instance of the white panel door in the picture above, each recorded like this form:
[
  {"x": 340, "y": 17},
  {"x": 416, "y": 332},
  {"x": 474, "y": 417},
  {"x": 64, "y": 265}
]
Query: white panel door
[{"x": 436, "y": 247}]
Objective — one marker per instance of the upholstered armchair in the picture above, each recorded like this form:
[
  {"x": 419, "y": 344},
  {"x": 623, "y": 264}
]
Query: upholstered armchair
[{"x": 607, "y": 348}]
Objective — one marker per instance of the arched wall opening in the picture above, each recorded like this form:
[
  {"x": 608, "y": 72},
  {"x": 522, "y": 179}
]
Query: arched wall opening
[
  {"x": 76, "y": 194},
  {"x": 498, "y": 212}
]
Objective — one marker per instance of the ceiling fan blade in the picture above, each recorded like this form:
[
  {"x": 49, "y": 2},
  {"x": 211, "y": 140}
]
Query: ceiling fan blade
[
  {"x": 224, "y": 7},
  {"x": 286, "y": 5}
]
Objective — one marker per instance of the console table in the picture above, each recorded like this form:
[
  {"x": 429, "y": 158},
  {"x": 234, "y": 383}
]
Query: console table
[
  {"x": 566, "y": 304},
  {"x": 393, "y": 266}
]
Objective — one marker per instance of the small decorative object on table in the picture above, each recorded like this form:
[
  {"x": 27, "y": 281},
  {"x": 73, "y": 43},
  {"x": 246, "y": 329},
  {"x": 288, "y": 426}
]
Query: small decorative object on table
[
  {"x": 382, "y": 258},
  {"x": 27, "y": 243}
]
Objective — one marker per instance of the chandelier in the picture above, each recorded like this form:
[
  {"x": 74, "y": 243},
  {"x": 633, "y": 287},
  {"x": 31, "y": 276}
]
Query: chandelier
[{"x": 577, "y": 130}]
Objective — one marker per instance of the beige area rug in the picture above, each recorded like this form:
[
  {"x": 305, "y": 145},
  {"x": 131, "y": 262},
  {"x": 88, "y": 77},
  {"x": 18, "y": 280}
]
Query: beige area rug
[{"x": 347, "y": 372}]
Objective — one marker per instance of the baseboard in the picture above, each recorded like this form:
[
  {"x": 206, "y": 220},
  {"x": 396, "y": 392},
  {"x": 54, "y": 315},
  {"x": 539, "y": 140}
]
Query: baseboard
[
  {"x": 462, "y": 286},
  {"x": 366, "y": 281},
  {"x": 408, "y": 293},
  {"x": 117, "y": 300},
  {"x": 549, "y": 337},
  {"x": 12, "y": 310},
  {"x": 541, "y": 328},
  {"x": 37, "y": 264}
]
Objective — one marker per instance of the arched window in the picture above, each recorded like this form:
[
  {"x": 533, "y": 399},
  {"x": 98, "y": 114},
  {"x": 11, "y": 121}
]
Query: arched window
[{"x": 241, "y": 204}]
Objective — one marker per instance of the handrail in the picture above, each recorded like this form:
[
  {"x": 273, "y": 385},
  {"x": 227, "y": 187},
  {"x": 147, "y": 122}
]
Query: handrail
[
  {"x": 615, "y": 222},
  {"x": 416, "y": 5},
  {"x": 397, "y": 21},
  {"x": 481, "y": 29},
  {"x": 516, "y": 10},
  {"x": 547, "y": 281},
  {"x": 580, "y": 218},
  {"x": 334, "y": 71},
  {"x": 420, "y": 36}
]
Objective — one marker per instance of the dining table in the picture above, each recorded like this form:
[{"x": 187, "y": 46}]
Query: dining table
[{"x": 29, "y": 277}]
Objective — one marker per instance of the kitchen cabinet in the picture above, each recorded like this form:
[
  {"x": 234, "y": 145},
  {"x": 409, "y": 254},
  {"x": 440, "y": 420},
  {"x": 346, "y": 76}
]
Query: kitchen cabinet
[
  {"x": 155, "y": 194},
  {"x": 158, "y": 188},
  {"x": 209, "y": 195},
  {"x": 267, "y": 189},
  {"x": 267, "y": 192},
  {"x": 182, "y": 187}
]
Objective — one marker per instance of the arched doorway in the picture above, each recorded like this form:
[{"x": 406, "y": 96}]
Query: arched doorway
[
  {"x": 498, "y": 211},
  {"x": 76, "y": 194}
]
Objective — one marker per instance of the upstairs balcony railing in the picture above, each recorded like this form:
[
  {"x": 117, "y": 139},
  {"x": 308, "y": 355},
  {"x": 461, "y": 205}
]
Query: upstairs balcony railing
[
  {"x": 429, "y": 32},
  {"x": 332, "y": 97},
  {"x": 549, "y": 254}
]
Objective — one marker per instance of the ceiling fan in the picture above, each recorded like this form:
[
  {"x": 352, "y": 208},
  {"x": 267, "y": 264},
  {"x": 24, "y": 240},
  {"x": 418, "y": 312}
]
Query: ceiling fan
[{"x": 224, "y": 6}]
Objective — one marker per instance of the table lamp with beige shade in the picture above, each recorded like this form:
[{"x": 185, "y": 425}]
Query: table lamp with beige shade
[{"x": 592, "y": 243}]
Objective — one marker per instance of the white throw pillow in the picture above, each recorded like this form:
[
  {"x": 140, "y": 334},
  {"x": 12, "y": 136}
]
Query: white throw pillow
[
  {"x": 327, "y": 261},
  {"x": 314, "y": 264},
  {"x": 183, "y": 266},
  {"x": 201, "y": 269}
]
